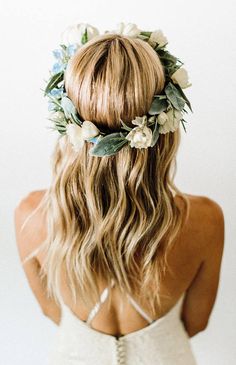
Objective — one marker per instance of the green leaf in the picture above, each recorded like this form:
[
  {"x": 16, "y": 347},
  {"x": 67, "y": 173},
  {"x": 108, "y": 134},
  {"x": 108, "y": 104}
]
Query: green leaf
[
  {"x": 184, "y": 97},
  {"x": 158, "y": 106},
  {"x": 166, "y": 57},
  {"x": 108, "y": 145},
  {"x": 68, "y": 107},
  {"x": 70, "y": 110},
  {"x": 126, "y": 127},
  {"x": 143, "y": 37},
  {"x": 174, "y": 96},
  {"x": 54, "y": 81},
  {"x": 60, "y": 122},
  {"x": 76, "y": 119},
  {"x": 155, "y": 134},
  {"x": 64, "y": 47},
  {"x": 146, "y": 34},
  {"x": 182, "y": 122},
  {"x": 85, "y": 37}
]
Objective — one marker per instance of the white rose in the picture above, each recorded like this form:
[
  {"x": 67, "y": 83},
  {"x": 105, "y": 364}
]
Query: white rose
[
  {"x": 129, "y": 29},
  {"x": 162, "y": 118},
  {"x": 174, "y": 117},
  {"x": 74, "y": 33},
  {"x": 181, "y": 77},
  {"x": 89, "y": 130},
  {"x": 74, "y": 133},
  {"x": 158, "y": 37},
  {"x": 141, "y": 136}
]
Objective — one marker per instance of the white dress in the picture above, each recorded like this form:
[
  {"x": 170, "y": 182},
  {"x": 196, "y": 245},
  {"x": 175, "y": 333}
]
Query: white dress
[{"x": 163, "y": 342}]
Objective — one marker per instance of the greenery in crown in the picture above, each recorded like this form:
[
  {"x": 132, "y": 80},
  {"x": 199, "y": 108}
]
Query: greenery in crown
[{"x": 166, "y": 111}]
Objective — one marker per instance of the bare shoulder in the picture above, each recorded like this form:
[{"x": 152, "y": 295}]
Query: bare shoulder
[
  {"x": 206, "y": 222},
  {"x": 206, "y": 210},
  {"x": 29, "y": 227},
  {"x": 29, "y": 202}
]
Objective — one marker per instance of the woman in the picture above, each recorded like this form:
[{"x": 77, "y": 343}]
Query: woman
[{"x": 125, "y": 263}]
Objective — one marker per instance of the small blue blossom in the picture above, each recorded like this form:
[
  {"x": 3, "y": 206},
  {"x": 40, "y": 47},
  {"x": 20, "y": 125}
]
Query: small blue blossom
[
  {"x": 51, "y": 106},
  {"x": 58, "y": 54},
  {"x": 57, "y": 67},
  {"x": 71, "y": 49},
  {"x": 57, "y": 93}
]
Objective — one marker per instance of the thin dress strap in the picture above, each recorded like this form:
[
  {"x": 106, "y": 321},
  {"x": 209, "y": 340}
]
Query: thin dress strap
[
  {"x": 139, "y": 309},
  {"x": 103, "y": 298}
]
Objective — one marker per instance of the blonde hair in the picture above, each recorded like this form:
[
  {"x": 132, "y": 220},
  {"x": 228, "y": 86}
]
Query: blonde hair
[{"x": 112, "y": 217}]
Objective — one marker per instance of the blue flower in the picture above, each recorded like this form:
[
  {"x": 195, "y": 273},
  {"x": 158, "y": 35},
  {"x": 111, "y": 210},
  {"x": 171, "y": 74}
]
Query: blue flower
[
  {"x": 57, "y": 67},
  {"x": 58, "y": 54},
  {"x": 57, "y": 93},
  {"x": 51, "y": 106},
  {"x": 71, "y": 49}
]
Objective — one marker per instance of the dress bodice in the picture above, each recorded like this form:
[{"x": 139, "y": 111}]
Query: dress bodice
[{"x": 163, "y": 341}]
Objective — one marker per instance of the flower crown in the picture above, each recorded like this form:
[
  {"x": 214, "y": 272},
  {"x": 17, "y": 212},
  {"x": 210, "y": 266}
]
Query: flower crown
[{"x": 166, "y": 111}]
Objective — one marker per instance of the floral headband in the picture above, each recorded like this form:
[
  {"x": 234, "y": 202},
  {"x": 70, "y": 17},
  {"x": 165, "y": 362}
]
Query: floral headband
[{"x": 164, "y": 116}]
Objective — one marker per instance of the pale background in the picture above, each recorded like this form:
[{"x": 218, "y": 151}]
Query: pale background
[{"x": 200, "y": 33}]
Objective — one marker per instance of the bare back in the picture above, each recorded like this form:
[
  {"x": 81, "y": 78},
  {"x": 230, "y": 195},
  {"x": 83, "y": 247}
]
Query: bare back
[{"x": 194, "y": 260}]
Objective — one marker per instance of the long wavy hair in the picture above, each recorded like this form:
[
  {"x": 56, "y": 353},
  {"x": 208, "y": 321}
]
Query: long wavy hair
[{"x": 112, "y": 217}]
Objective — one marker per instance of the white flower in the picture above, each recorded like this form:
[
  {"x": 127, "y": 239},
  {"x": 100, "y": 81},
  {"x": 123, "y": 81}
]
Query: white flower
[
  {"x": 89, "y": 130},
  {"x": 140, "y": 137},
  {"x": 77, "y": 135},
  {"x": 162, "y": 118},
  {"x": 174, "y": 117},
  {"x": 74, "y": 133},
  {"x": 57, "y": 116},
  {"x": 74, "y": 33},
  {"x": 129, "y": 29},
  {"x": 181, "y": 77},
  {"x": 158, "y": 37}
]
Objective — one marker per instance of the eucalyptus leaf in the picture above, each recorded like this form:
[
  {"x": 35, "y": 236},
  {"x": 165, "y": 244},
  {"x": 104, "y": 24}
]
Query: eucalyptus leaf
[
  {"x": 174, "y": 96},
  {"x": 166, "y": 57},
  {"x": 68, "y": 107},
  {"x": 158, "y": 106},
  {"x": 155, "y": 134},
  {"x": 184, "y": 97},
  {"x": 53, "y": 82},
  {"x": 108, "y": 145}
]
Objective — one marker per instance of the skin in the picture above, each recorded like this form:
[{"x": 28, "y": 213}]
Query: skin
[{"x": 195, "y": 261}]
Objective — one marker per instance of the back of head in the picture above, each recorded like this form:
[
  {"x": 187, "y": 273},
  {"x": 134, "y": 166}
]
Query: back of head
[
  {"x": 114, "y": 77},
  {"x": 112, "y": 217}
]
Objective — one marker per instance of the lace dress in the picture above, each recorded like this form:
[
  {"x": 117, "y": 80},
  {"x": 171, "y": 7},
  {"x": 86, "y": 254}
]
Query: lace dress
[{"x": 163, "y": 342}]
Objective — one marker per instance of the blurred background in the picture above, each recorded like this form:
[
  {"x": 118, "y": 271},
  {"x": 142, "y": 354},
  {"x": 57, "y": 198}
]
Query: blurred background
[{"x": 202, "y": 34}]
